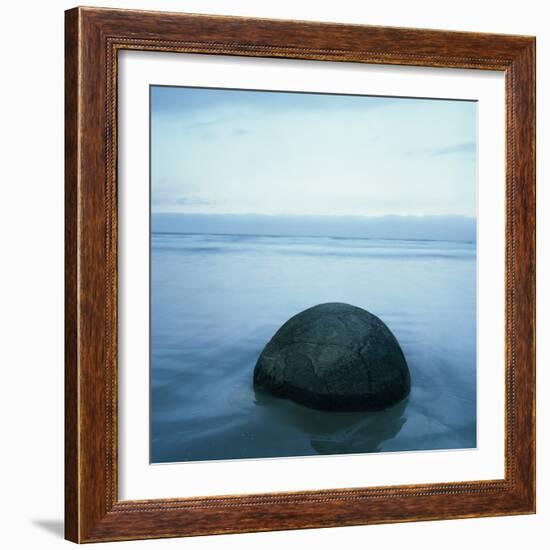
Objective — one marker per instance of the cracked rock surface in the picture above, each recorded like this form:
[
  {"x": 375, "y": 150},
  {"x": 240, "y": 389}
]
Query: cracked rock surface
[{"x": 334, "y": 356}]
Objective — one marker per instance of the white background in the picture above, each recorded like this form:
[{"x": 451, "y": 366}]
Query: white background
[{"x": 31, "y": 303}]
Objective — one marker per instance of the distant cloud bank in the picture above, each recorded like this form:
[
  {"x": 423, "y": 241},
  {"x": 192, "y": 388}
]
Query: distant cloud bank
[{"x": 447, "y": 228}]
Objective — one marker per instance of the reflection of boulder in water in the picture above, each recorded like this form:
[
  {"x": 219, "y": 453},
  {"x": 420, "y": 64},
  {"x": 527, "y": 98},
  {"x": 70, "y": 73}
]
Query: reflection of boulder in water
[
  {"x": 331, "y": 432},
  {"x": 334, "y": 357},
  {"x": 365, "y": 435}
]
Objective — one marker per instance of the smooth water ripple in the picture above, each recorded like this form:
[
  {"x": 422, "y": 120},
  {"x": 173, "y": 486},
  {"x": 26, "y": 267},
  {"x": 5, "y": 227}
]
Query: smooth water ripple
[{"x": 216, "y": 300}]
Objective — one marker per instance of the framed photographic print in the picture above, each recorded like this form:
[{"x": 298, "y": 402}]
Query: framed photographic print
[{"x": 300, "y": 274}]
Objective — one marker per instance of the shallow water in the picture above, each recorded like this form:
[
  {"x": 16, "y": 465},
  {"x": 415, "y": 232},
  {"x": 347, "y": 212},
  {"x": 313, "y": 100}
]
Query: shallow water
[{"x": 216, "y": 300}]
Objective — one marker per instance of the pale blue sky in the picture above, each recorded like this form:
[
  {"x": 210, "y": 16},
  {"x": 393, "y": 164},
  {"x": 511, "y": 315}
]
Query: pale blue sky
[{"x": 239, "y": 152}]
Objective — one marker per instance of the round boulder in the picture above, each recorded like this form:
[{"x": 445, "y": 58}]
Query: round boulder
[{"x": 334, "y": 357}]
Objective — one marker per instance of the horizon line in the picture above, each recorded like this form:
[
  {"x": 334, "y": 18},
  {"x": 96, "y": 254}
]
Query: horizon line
[
  {"x": 269, "y": 215},
  {"x": 337, "y": 237}
]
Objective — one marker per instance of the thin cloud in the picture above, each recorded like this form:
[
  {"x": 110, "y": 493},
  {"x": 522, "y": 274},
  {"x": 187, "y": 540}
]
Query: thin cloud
[
  {"x": 194, "y": 201},
  {"x": 468, "y": 148}
]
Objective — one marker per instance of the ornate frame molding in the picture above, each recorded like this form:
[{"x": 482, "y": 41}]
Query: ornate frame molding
[{"x": 93, "y": 38}]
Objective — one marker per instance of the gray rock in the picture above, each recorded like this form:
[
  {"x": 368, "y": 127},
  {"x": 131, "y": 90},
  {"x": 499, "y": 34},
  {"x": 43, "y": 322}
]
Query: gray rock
[{"x": 334, "y": 357}]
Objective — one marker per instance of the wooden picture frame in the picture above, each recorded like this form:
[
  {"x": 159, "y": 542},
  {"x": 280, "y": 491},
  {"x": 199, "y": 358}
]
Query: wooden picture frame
[{"x": 93, "y": 511}]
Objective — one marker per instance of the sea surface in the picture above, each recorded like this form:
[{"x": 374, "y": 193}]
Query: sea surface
[{"x": 216, "y": 300}]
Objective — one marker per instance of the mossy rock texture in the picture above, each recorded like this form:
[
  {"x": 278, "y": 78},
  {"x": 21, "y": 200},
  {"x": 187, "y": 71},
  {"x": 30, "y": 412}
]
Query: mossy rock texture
[{"x": 334, "y": 356}]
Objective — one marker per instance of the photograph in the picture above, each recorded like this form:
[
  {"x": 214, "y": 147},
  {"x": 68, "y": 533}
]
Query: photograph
[
  {"x": 313, "y": 274},
  {"x": 299, "y": 279}
]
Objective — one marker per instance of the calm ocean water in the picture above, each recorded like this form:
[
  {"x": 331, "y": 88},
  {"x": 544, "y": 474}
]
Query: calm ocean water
[{"x": 216, "y": 300}]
